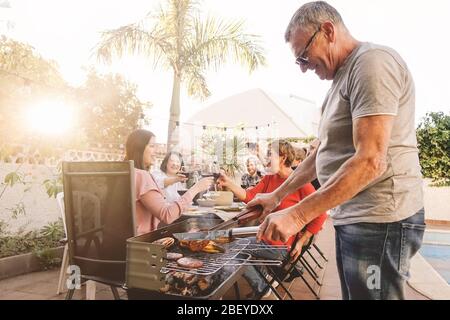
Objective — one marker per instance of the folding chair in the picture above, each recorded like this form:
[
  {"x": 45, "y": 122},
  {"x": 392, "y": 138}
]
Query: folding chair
[
  {"x": 310, "y": 269},
  {"x": 288, "y": 271},
  {"x": 99, "y": 200},
  {"x": 65, "y": 260}
]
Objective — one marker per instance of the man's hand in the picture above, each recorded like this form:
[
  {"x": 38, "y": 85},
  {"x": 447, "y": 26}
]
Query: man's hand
[
  {"x": 280, "y": 226},
  {"x": 268, "y": 201},
  {"x": 303, "y": 241}
]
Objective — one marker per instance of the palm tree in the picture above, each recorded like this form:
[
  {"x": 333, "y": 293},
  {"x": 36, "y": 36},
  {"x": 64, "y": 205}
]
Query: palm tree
[{"x": 177, "y": 39}]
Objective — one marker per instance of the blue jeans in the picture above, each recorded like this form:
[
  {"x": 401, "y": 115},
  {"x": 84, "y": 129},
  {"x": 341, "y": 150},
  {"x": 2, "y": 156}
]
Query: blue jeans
[
  {"x": 252, "y": 276},
  {"x": 373, "y": 259}
]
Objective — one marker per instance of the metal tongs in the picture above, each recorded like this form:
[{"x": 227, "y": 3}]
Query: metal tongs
[
  {"x": 245, "y": 216},
  {"x": 217, "y": 234}
]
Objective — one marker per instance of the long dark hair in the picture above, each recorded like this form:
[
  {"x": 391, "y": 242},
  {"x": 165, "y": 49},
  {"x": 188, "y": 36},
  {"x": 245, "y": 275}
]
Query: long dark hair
[
  {"x": 135, "y": 146},
  {"x": 163, "y": 166}
]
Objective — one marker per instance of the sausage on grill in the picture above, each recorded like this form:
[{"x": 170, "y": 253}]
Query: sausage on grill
[
  {"x": 174, "y": 256},
  {"x": 190, "y": 263},
  {"x": 166, "y": 242}
]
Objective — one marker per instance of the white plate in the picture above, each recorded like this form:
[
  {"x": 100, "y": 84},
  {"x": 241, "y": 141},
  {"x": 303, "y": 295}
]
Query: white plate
[{"x": 197, "y": 211}]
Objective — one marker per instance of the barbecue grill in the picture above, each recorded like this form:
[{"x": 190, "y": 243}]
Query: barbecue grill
[{"x": 147, "y": 269}]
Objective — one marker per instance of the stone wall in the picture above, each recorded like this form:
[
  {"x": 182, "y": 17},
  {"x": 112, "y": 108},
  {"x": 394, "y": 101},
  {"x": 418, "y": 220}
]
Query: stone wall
[{"x": 39, "y": 208}]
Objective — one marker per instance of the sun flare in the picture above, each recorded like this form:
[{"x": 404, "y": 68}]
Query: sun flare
[{"x": 50, "y": 117}]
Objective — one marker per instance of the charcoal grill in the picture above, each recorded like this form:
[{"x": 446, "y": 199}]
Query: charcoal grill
[{"x": 146, "y": 267}]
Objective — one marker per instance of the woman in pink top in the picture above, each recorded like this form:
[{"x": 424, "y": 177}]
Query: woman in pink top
[{"x": 151, "y": 205}]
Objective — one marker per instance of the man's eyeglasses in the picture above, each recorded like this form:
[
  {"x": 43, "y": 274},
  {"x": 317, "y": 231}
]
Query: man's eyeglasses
[{"x": 301, "y": 59}]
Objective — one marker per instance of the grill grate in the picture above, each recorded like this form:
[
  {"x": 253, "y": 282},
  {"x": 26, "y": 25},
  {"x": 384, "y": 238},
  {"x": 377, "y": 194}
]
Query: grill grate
[
  {"x": 211, "y": 262},
  {"x": 214, "y": 262}
]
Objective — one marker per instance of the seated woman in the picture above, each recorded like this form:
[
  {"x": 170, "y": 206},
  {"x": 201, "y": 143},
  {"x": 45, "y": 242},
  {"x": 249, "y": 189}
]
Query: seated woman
[
  {"x": 280, "y": 154},
  {"x": 168, "y": 178},
  {"x": 151, "y": 205}
]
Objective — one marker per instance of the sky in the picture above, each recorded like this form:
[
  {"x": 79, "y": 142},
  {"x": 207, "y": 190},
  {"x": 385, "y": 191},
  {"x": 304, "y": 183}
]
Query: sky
[{"x": 67, "y": 31}]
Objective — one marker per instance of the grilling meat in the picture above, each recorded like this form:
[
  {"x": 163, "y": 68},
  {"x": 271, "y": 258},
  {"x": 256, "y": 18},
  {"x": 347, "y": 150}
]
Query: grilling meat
[
  {"x": 194, "y": 245},
  {"x": 207, "y": 246},
  {"x": 190, "y": 263},
  {"x": 213, "y": 247},
  {"x": 174, "y": 256},
  {"x": 166, "y": 242}
]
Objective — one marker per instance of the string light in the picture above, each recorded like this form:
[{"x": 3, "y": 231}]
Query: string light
[{"x": 205, "y": 126}]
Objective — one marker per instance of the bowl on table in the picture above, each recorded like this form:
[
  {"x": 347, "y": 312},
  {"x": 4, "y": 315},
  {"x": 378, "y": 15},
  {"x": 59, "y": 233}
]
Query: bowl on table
[
  {"x": 222, "y": 198},
  {"x": 206, "y": 202}
]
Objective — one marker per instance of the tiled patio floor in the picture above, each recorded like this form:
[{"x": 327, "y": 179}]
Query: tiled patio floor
[{"x": 42, "y": 285}]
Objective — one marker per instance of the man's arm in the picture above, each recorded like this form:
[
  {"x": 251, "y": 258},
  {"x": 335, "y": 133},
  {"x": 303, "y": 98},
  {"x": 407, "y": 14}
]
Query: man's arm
[
  {"x": 371, "y": 137},
  {"x": 305, "y": 173}
]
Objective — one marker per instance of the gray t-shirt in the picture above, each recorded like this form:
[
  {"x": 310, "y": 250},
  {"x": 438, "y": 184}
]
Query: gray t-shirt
[{"x": 374, "y": 80}]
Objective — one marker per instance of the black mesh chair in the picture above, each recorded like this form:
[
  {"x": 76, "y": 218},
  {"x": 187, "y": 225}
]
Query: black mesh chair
[
  {"x": 99, "y": 200},
  {"x": 289, "y": 270}
]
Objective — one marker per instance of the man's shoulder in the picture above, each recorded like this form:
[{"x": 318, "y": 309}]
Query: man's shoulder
[{"x": 372, "y": 52}]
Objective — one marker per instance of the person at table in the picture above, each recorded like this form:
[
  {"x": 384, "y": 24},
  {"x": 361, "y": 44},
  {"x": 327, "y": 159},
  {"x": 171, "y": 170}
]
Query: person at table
[
  {"x": 253, "y": 175},
  {"x": 168, "y": 176},
  {"x": 152, "y": 207},
  {"x": 300, "y": 155},
  {"x": 280, "y": 157},
  {"x": 256, "y": 151}
]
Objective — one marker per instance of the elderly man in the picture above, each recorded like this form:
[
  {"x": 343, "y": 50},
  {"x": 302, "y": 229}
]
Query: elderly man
[{"x": 367, "y": 161}]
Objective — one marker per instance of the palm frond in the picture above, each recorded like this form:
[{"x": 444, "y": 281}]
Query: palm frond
[
  {"x": 196, "y": 83},
  {"x": 215, "y": 41},
  {"x": 176, "y": 18},
  {"x": 133, "y": 39}
]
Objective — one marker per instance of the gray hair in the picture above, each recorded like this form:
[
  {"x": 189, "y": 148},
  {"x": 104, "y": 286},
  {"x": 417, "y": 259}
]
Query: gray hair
[
  {"x": 252, "y": 159},
  {"x": 312, "y": 15}
]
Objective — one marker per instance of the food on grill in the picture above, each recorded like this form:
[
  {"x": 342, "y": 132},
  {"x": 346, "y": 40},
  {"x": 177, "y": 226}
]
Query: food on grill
[
  {"x": 194, "y": 245},
  {"x": 207, "y": 246},
  {"x": 190, "y": 263},
  {"x": 212, "y": 247},
  {"x": 174, "y": 256},
  {"x": 166, "y": 242}
]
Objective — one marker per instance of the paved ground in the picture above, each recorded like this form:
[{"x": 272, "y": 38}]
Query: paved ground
[{"x": 42, "y": 285}]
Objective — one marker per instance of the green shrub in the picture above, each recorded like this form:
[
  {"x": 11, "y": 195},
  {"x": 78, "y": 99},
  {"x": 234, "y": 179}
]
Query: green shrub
[
  {"x": 39, "y": 242},
  {"x": 433, "y": 137}
]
